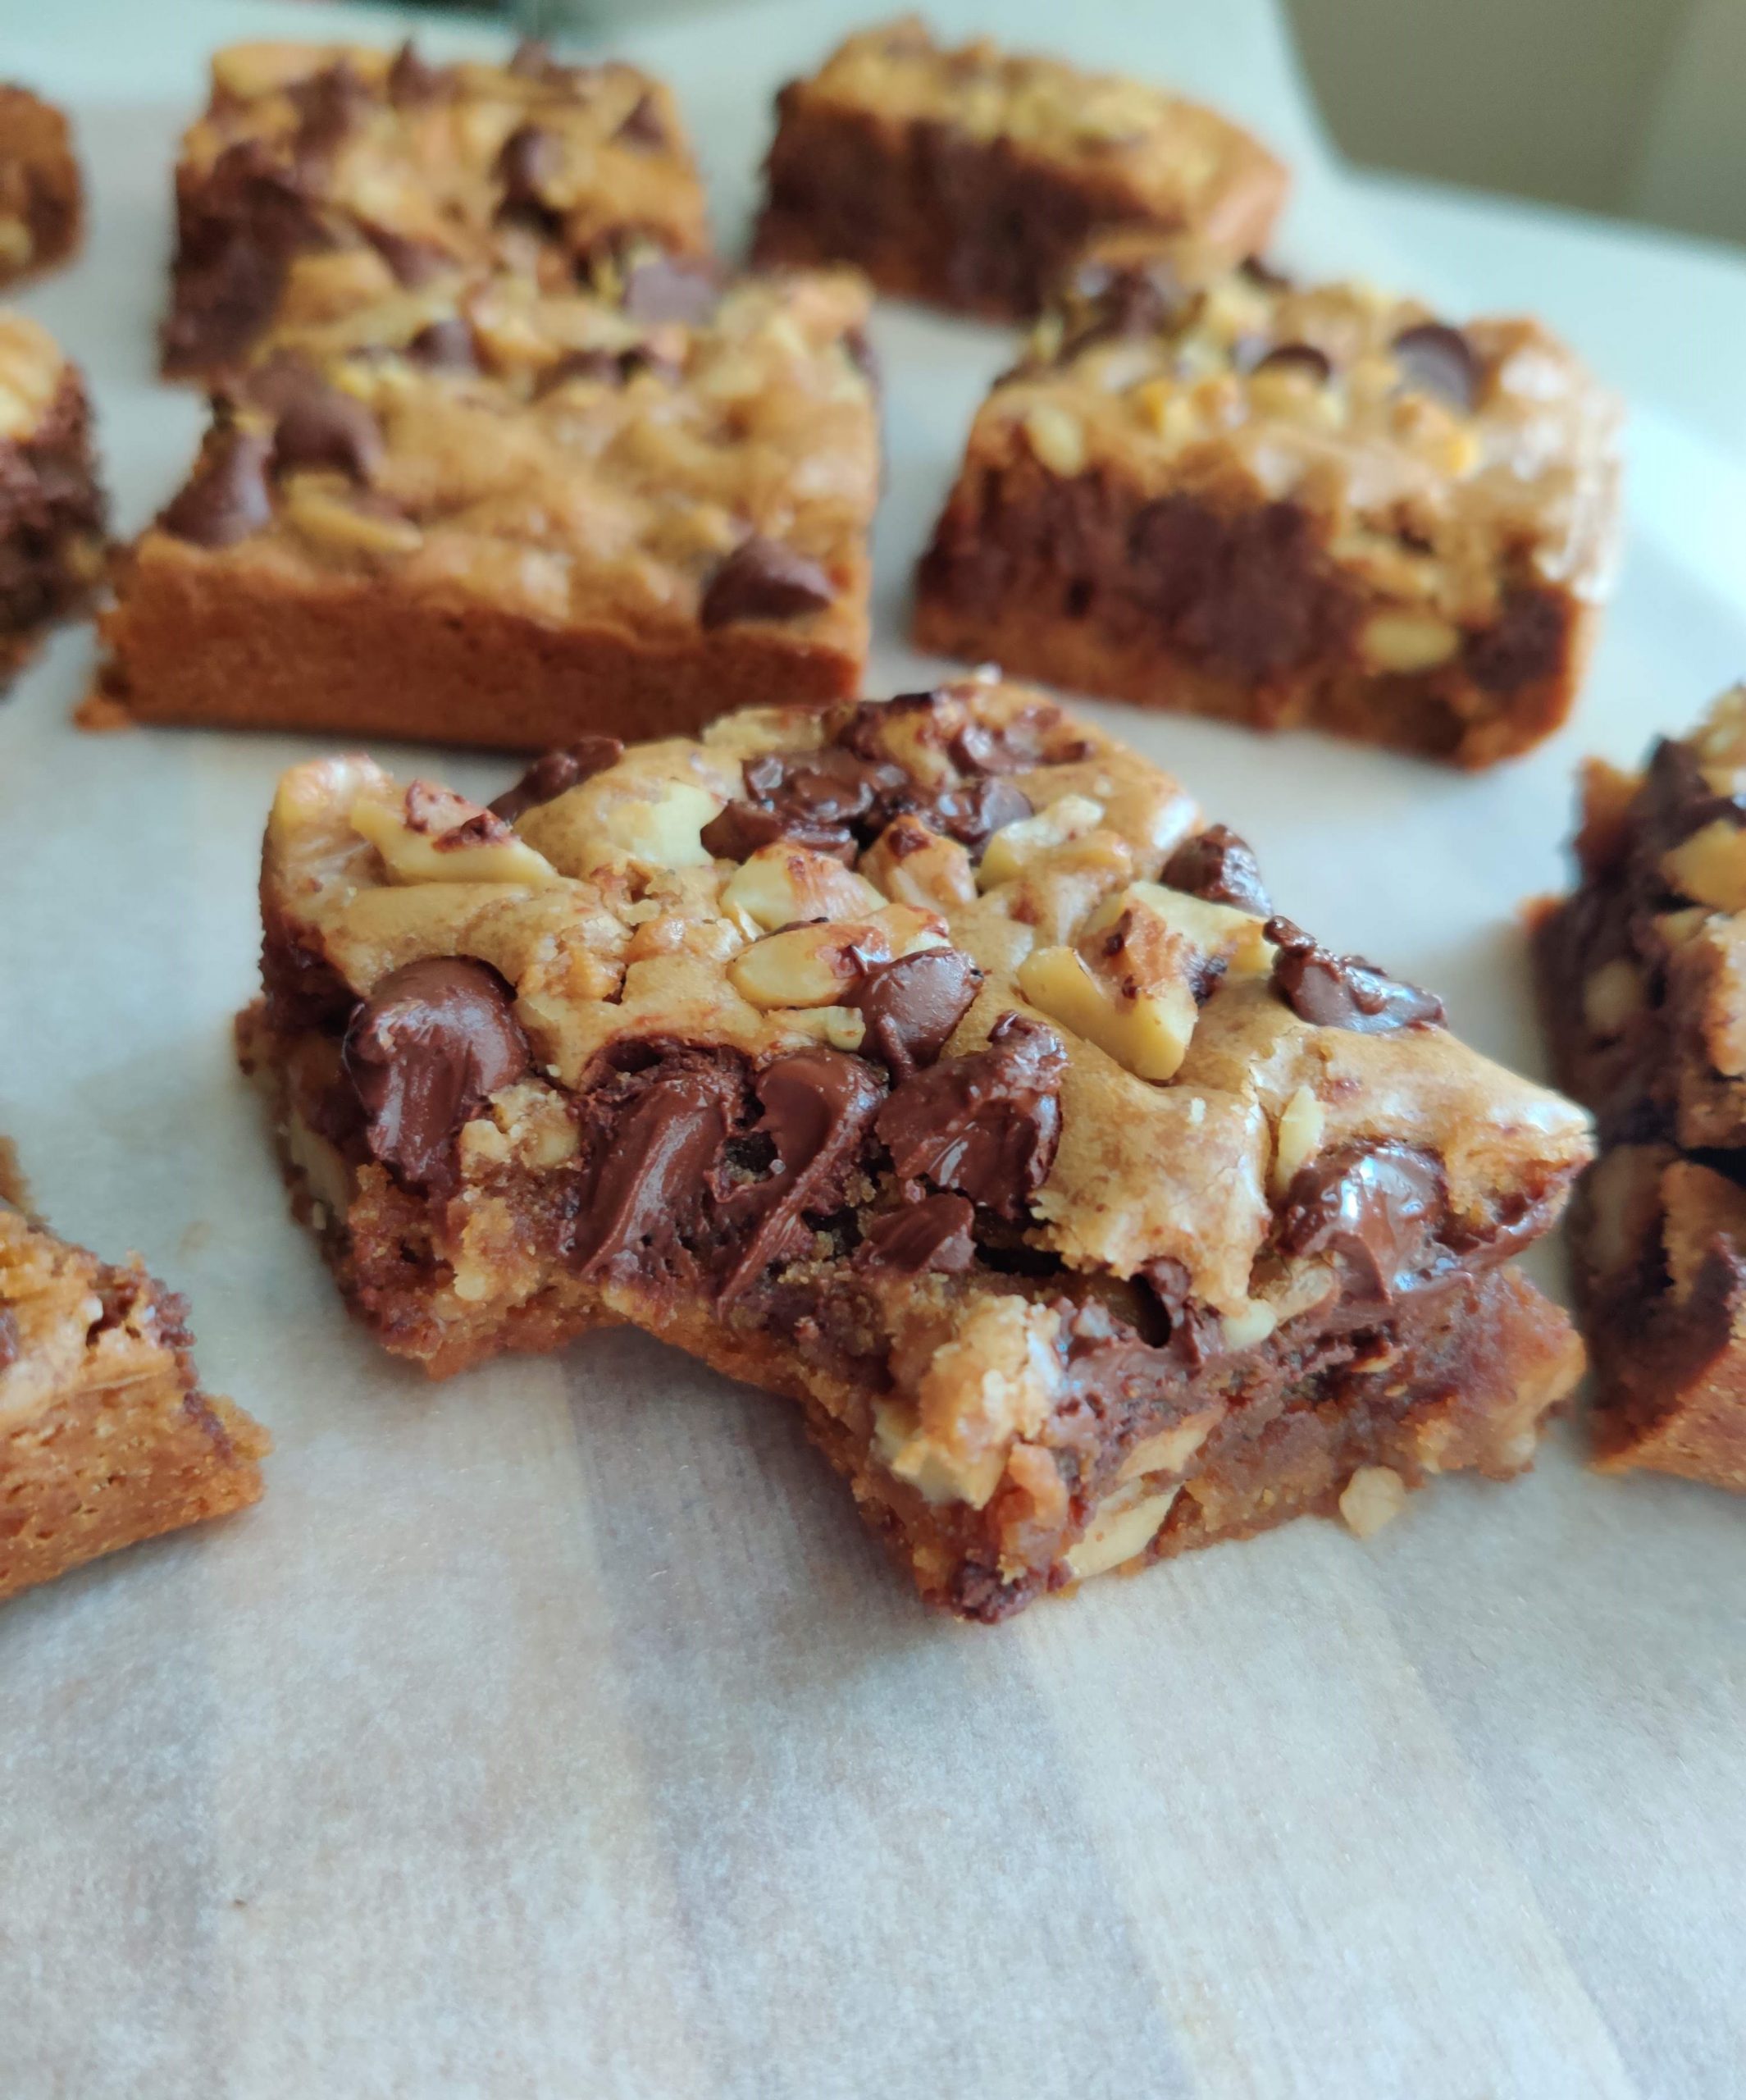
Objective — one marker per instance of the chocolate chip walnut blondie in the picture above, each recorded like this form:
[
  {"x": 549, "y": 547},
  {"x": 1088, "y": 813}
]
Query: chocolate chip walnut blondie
[
  {"x": 379, "y": 171},
  {"x": 1643, "y": 975},
  {"x": 42, "y": 198},
  {"x": 51, "y": 507},
  {"x": 105, "y": 1437},
  {"x": 971, "y": 176},
  {"x": 1318, "y": 505},
  {"x": 501, "y": 516},
  {"x": 934, "y": 1063}
]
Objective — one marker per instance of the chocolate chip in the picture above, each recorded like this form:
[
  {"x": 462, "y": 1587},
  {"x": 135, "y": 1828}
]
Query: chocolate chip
[
  {"x": 447, "y": 344},
  {"x": 529, "y": 159},
  {"x": 1296, "y": 356},
  {"x": 555, "y": 773},
  {"x": 986, "y": 1125},
  {"x": 1034, "y": 736},
  {"x": 414, "y": 262},
  {"x": 912, "y": 1004},
  {"x": 973, "y": 811},
  {"x": 931, "y": 1234},
  {"x": 10, "y": 1342},
  {"x": 226, "y": 498},
  {"x": 606, "y": 366},
  {"x": 764, "y": 580},
  {"x": 1439, "y": 359},
  {"x": 1527, "y": 641},
  {"x": 323, "y": 427},
  {"x": 1145, "y": 298},
  {"x": 328, "y": 105},
  {"x": 411, "y": 80},
  {"x": 643, "y": 126},
  {"x": 1343, "y": 991},
  {"x": 662, "y": 289},
  {"x": 819, "y": 1107},
  {"x": 1218, "y": 866},
  {"x": 1374, "y": 1208},
  {"x": 1261, "y": 273},
  {"x": 431, "y": 1044},
  {"x": 654, "y": 1159},
  {"x": 532, "y": 60}
]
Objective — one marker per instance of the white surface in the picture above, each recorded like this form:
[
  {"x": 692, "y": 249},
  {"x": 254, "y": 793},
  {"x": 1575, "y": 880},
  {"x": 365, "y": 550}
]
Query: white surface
[{"x": 557, "y": 1731}]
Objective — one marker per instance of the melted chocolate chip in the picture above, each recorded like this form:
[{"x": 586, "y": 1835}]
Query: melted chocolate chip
[
  {"x": 912, "y": 1004},
  {"x": 323, "y": 427},
  {"x": 857, "y": 348},
  {"x": 10, "y": 1342},
  {"x": 971, "y": 813},
  {"x": 1343, "y": 991},
  {"x": 414, "y": 262},
  {"x": 764, "y": 580},
  {"x": 655, "y": 1159},
  {"x": 1374, "y": 1208},
  {"x": 1034, "y": 736},
  {"x": 529, "y": 159},
  {"x": 643, "y": 126},
  {"x": 1297, "y": 357},
  {"x": 555, "y": 773},
  {"x": 226, "y": 498},
  {"x": 1259, "y": 272},
  {"x": 986, "y": 1125},
  {"x": 819, "y": 1107},
  {"x": 606, "y": 366},
  {"x": 427, "y": 1049},
  {"x": 1439, "y": 359},
  {"x": 448, "y": 345},
  {"x": 1127, "y": 299},
  {"x": 931, "y": 1234},
  {"x": 1218, "y": 866},
  {"x": 1529, "y": 641},
  {"x": 328, "y": 105},
  {"x": 662, "y": 289}
]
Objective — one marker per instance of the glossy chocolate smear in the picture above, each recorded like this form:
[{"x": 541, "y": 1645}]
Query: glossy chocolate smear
[
  {"x": 1375, "y": 1209},
  {"x": 764, "y": 580},
  {"x": 829, "y": 799},
  {"x": 226, "y": 498},
  {"x": 934, "y": 1234},
  {"x": 1439, "y": 359},
  {"x": 427, "y": 1049},
  {"x": 1218, "y": 866},
  {"x": 911, "y": 1005},
  {"x": 819, "y": 1107},
  {"x": 1343, "y": 991},
  {"x": 1296, "y": 356},
  {"x": 972, "y": 811},
  {"x": 986, "y": 1125},
  {"x": 322, "y": 427},
  {"x": 1034, "y": 736},
  {"x": 555, "y": 773},
  {"x": 656, "y": 1155}
]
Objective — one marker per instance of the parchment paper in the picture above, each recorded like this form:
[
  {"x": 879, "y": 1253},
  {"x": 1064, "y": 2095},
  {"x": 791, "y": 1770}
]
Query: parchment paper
[{"x": 557, "y": 1731}]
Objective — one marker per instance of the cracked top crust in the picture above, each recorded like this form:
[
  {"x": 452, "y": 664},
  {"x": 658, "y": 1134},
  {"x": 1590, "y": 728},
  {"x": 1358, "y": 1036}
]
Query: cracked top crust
[
  {"x": 1442, "y": 464},
  {"x": 1178, "y": 162},
  {"x": 578, "y": 457},
  {"x": 532, "y": 164},
  {"x": 1218, "y": 1075}
]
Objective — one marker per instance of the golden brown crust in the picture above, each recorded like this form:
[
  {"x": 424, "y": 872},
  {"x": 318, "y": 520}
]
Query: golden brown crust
[
  {"x": 969, "y": 177},
  {"x": 42, "y": 198},
  {"x": 104, "y": 1436}
]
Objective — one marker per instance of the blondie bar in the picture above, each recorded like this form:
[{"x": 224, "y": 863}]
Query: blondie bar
[
  {"x": 1642, "y": 971},
  {"x": 971, "y": 176},
  {"x": 931, "y": 1062},
  {"x": 507, "y": 517},
  {"x": 105, "y": 1435},
  {"x": 41, "y": 199},
  {"x": 382, "y": 172},
  {"x": 51, "y": 507},
  {"x": 1285, "y": 506}
]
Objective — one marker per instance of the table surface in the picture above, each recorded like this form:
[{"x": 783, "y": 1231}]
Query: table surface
[{"x": 556, "y": 1730}]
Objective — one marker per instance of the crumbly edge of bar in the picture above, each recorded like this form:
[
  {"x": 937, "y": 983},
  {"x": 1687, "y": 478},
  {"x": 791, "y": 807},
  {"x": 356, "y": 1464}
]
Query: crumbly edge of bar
[
  {"x": 124, "y": 1456},
  {"x": 1287, "y": 607}
]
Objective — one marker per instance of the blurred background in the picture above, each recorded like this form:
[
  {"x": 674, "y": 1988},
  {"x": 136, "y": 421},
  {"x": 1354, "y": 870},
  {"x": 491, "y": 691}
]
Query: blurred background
[{"x": 1632, "y": 108}]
